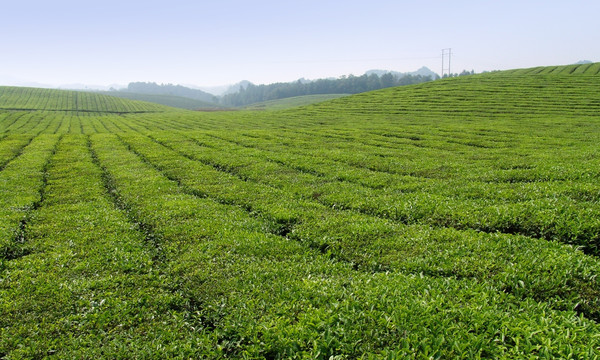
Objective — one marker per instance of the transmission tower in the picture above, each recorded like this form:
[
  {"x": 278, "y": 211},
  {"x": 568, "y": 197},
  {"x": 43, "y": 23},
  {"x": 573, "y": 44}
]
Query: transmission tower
[{"x": 446, "y": 53}]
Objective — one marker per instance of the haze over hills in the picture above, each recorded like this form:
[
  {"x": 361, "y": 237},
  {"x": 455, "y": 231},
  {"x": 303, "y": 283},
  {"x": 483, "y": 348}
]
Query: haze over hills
[
  {"x": 245, "y": 93},
  {"x": 233, "y": 88},
  {"x": 221, "y": 90},
  {"x": 169, "y": 89},
  {"x": 423, "y": 71},
  {"x": 7, "y": 80},
  {"x": 462, "y": 209},
  {"x": 168, "y": 100}
]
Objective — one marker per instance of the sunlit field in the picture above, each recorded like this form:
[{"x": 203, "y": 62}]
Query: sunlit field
[{"x": 457, "y": 218}]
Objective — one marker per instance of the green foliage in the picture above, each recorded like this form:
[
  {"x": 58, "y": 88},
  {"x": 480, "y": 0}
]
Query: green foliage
[
  {"x": 292, "y": 102},
  {"x": 19, "y": 98},
  {"x": 167, "y": 100},
  {"x": 351, "y": 84},
  {"x": 89, "y": 285},
  {"x": 453, "y": 219},
  {"x": 169, "y": 89},
  {"x": 22, "y": 183}
]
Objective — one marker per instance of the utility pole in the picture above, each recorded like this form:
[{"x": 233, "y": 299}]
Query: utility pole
[{"x": 445, "y": 52}]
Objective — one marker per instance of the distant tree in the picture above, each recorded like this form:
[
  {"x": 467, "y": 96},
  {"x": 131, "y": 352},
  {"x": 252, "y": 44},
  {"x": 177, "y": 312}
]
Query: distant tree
[
  {"x": 387, "y": 80},
  {"x": 463, "y": 73},
  {"x": 346, "y": 84}
]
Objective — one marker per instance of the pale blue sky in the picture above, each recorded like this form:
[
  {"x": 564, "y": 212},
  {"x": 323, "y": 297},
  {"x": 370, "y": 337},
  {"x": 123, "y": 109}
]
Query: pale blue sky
[{"x": 225, "y": 41}]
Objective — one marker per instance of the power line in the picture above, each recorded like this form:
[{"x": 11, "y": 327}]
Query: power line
[
  {"x": 447, "y": 52},
  {"x": 347, "y": 60}
]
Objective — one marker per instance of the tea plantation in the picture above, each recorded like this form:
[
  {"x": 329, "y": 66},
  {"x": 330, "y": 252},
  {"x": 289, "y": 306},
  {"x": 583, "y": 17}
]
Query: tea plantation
[{"x": 458, "y": 218}]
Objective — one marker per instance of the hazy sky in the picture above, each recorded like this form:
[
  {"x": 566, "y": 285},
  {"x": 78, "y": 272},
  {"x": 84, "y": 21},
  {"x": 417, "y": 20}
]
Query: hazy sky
[{"x": 224, "y": 41}]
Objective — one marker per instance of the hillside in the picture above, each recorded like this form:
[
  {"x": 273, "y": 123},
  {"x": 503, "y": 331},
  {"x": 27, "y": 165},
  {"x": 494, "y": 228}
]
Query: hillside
[
  {"x": 490, "y": 96},
  {"x": 170, "y": 90},
  {"x": 293, "y": 102},
  {"x": 452, "y": 219},
  {"x": 245, "y": 93},
  {"x": 167, "y": 100},
  {"x": 565, "y": 90},
  {"x": 583, "y": 68},
  {"x": 18, "y": 98},
  {"x": 350, "y": 84}
]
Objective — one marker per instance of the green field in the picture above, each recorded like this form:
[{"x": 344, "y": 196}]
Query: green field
[
  {"x": 168, "y": 100},
  {"x": 292, "y": 102},
  {"x": 457, "y": 218},
  {"x": 32, "y": 99}
]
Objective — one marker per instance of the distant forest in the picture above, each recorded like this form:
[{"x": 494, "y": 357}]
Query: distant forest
[
  {"x": 249, "y": 93},
  {"x": 345, "y": 85}
]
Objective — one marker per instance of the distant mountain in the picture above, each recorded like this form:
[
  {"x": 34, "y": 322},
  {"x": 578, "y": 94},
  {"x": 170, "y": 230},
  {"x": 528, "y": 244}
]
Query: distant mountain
[
  {"x": 582, "y": 62},
  {"x": 424, "y": 71},
  {"x": 169, "y": 89}
]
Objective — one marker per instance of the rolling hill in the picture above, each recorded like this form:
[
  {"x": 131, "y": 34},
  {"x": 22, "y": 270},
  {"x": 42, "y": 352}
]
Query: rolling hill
[
  {"x": 451, "y": 219},
  {"x": 561, "y": 90},
  {"x": 292, "y": 102},
  {"x": 167, "y": 100},
  {"x": 31, "y": 99}
]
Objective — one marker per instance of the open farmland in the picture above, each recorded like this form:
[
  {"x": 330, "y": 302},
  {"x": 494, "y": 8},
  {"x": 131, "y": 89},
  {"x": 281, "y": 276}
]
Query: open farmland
[
  {"x": 452, "y": 219},
  {"x": 32, "y": 99}
]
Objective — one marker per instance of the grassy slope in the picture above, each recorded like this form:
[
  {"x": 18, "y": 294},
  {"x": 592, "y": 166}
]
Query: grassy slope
[
  {"x": 498, "y": 94},
  {"x": 167, "y": 100},
  {"x": 434, "y": 220},
  {"x": 293, "y": 102},
  {"x": 19, "y": 98}
]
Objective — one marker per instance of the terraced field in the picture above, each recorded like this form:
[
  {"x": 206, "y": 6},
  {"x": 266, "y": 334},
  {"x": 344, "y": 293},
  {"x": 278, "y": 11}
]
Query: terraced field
[
  {"x": 452, "y": 219},
  {"x": 81, "y": 103},
  {"x": 293, "y": 102}
]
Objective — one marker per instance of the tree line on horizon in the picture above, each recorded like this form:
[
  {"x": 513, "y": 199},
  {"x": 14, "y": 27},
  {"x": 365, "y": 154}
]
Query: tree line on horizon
[
  {"x": 350, "y": 84},
  {"x": 249, "y": 93}
]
